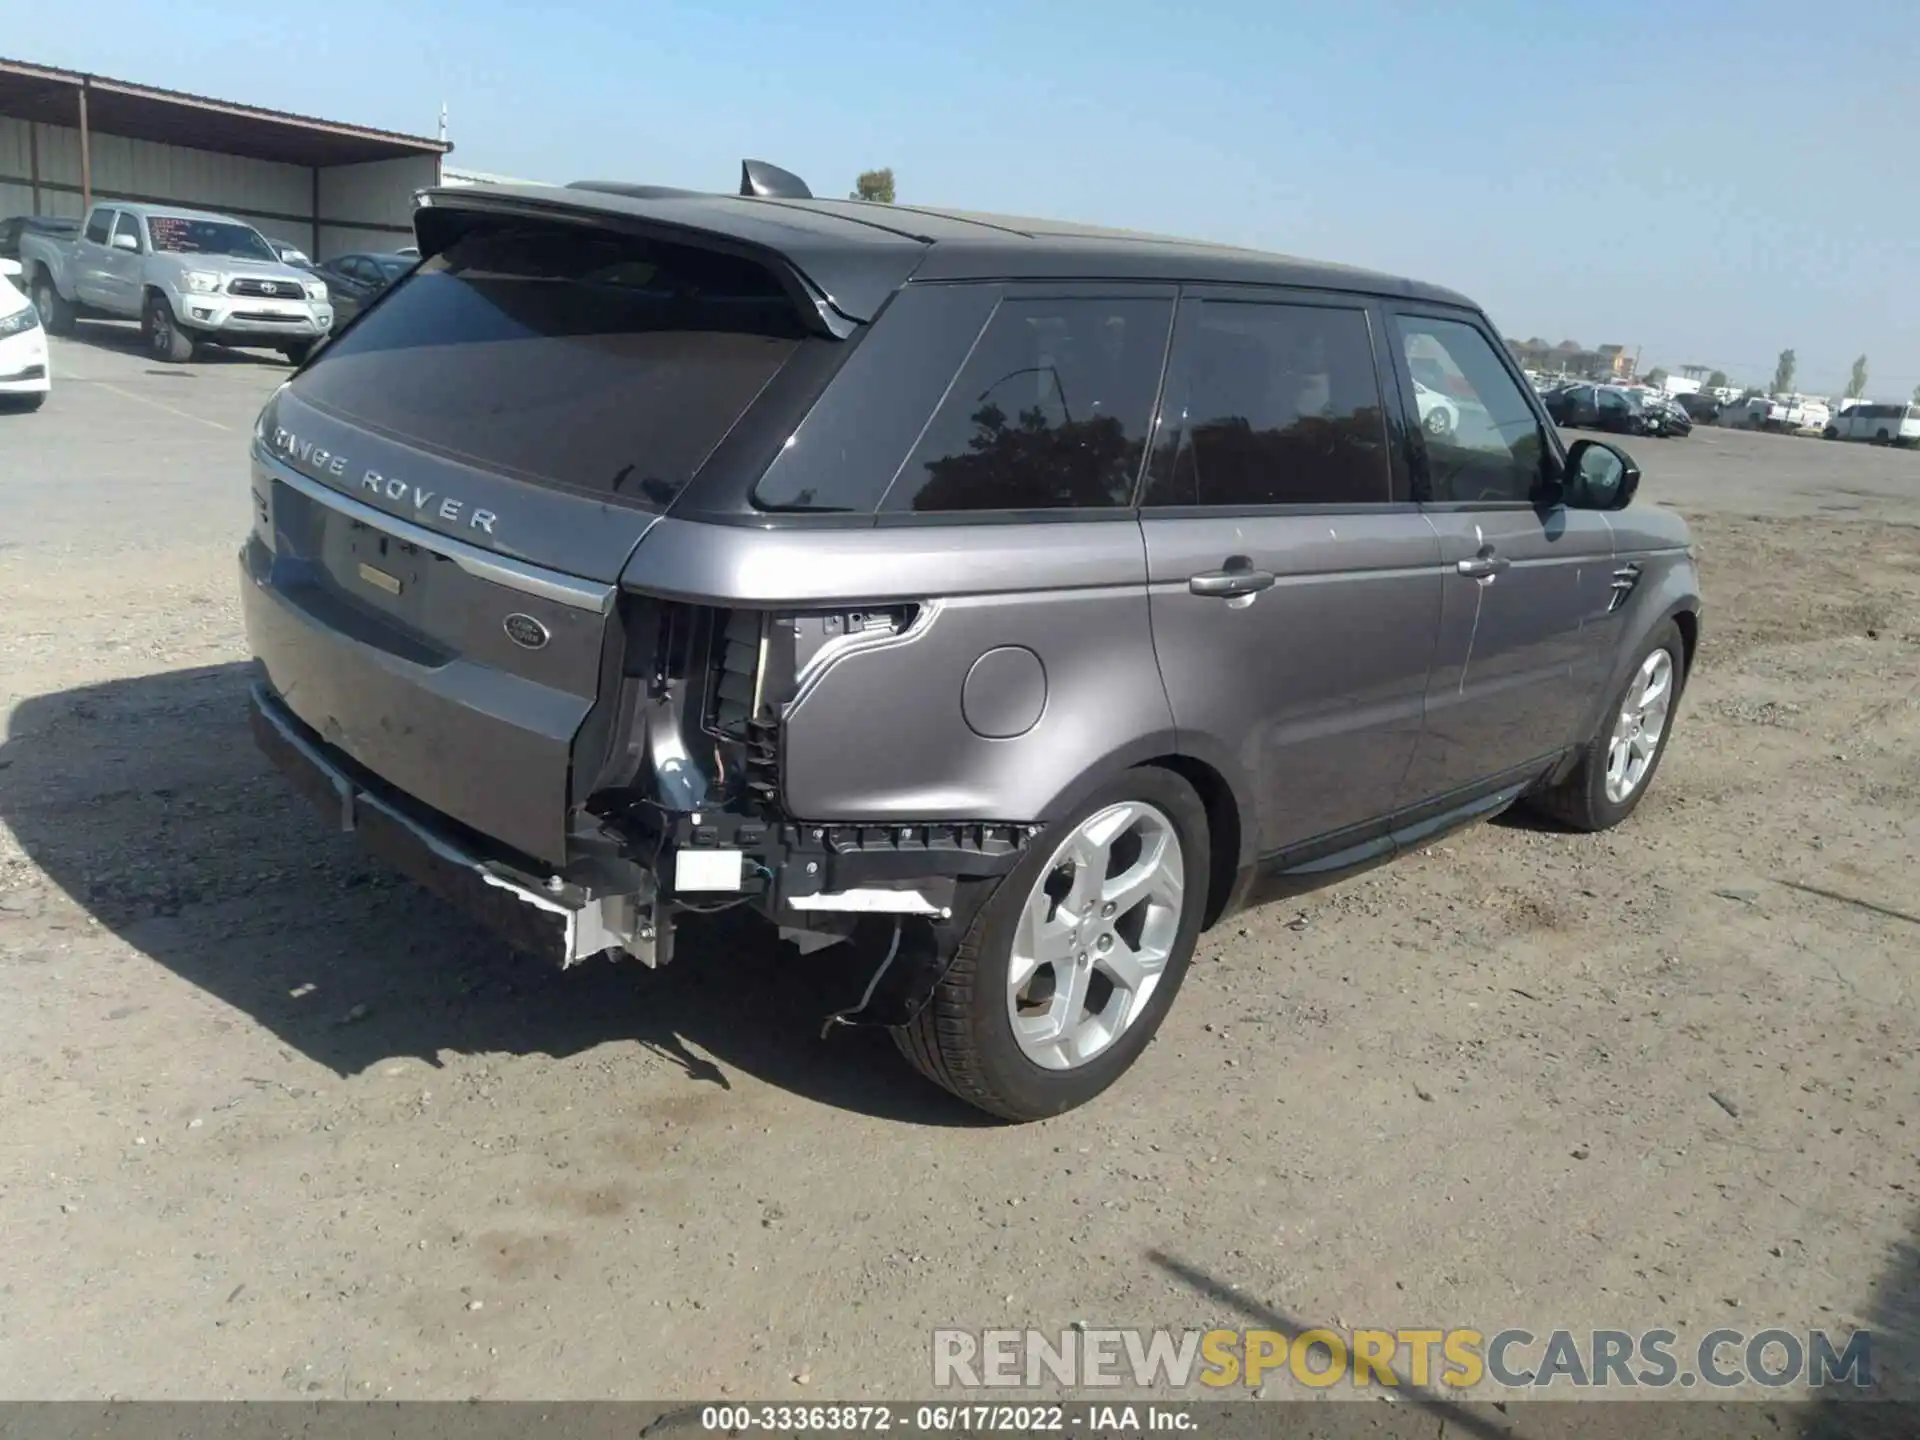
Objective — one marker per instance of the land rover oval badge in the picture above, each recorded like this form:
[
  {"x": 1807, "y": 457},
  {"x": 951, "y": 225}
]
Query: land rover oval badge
[{"x": 526, "y": 632}]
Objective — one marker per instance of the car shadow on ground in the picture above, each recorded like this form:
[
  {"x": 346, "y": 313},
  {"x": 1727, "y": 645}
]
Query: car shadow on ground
[
  {"x": 145, "y": 802},
  {"x": 123, "y": 337}
]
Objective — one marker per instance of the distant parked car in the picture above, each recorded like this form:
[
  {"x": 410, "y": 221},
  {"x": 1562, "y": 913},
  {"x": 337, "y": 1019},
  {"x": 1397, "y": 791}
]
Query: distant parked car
[
  {"x": 1701, "y": 407},
  {"x": 1876, "y": 424},
  {"x": 353, "y": 281},
  {"x": 14, "y": 226},
  {"x": 1438, "y": 415},
  {"x": 24, "y": 374},
  {"x": 189, "y": 277},
  {"x": 1597, "y": 407}
]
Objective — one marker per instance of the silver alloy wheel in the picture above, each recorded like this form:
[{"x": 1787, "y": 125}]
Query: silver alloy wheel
[
  {"x": 159, "y": 328},
  {"x": 1641, "y": 723},
  {"x": 1095, "y": 935},
  {"x": 1438, "y": 422}
]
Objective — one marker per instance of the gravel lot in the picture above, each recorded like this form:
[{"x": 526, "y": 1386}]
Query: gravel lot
[{"x": 277, "y": 1125}]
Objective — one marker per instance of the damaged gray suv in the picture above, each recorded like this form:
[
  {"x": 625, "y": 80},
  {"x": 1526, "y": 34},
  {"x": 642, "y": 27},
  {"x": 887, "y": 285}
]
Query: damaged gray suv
[{"x": 1012, "y": 600}]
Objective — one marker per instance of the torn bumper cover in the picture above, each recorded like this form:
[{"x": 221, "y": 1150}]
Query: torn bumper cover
[
  {"x": 551, "y": 918},
  {"x": 906, "y": 895}
]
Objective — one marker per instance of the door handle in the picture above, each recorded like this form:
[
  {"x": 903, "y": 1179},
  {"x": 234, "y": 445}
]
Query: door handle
[
  {"x": 1483, "y": 566},
  {"x": 1231, "y": 584}
]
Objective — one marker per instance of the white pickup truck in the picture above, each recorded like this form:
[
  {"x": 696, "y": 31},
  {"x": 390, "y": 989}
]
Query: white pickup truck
[{"x": 188, "y": 277}]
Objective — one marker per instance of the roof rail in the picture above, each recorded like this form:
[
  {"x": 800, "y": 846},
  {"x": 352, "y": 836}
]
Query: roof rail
[{"x": 770, "y": 182}]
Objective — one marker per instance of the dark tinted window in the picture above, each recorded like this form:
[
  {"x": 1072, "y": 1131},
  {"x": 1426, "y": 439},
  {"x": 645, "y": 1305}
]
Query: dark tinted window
[
  {"x": 99, "y": 226},
  {"x": 1489, "y": 445},
  {"x": 1050, "y": 411},
  {"x": 1281, "y": 406},
  {"x": 599, "y": 362}
]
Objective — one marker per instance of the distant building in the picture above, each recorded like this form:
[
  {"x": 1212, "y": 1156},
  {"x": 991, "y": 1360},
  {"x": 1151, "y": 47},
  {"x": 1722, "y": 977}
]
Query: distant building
[
  {"x": 69, "y": 140},
  {"x": 1617, "y": 362}
]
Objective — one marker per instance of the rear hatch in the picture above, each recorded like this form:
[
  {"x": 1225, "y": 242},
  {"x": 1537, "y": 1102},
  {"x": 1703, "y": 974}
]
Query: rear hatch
[{"x": 446, "y": 494}]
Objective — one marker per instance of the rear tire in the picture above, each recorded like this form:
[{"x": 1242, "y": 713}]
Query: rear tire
[
  {"x": 1585, "y": 800},
  {"x": 55, "y": 314},
  {"x": 965, "y": 1039},
  {"x": 165, "y": 339}
]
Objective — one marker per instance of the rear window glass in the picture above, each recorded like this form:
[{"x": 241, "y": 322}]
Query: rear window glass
[
  {"x": 602, "y": 363},
  {"x": 1050, "y": 411}
]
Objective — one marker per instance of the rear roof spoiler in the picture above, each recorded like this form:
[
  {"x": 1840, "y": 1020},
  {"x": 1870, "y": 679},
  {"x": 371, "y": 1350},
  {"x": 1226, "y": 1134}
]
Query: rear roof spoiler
[{"x": 850, "y": 268}]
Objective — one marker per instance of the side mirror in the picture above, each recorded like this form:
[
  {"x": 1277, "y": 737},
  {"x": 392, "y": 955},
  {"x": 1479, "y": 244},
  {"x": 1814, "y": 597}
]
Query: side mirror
[
  {"x": 126, "y": 242},
  {"x": 1600, "y": 476}
]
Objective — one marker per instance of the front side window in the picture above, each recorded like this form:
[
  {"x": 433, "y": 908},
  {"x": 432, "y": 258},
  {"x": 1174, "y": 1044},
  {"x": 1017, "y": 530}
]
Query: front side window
[
  {"x": 1050, "y": 411},
  {"x": 1493, "y": 449},
  {"x": 99, "y": 226},
  {"x": 180, "y": 235},
  {"x": 127, "y": 225},
  {"x": 1280, "y": 405}
]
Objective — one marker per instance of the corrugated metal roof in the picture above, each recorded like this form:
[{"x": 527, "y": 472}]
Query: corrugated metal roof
[{"x": 174, "y": 117}]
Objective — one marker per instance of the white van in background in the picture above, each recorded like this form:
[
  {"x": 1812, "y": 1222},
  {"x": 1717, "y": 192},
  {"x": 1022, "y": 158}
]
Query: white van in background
[{"x": 1876, "y": 424}]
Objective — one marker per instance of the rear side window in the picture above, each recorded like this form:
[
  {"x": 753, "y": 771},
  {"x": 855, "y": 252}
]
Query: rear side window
[
  {"x": 598, "y": 362},
  {"x": 1281, "y": 406},
  {"x": 99, "y": 225},
  {"x": 1050, "y": 411}
]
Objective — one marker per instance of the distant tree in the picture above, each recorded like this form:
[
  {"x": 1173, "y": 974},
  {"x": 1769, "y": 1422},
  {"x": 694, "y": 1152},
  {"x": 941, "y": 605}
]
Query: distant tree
[
  {"x": 876, "y": 185},
  {"x": 1857, "y": 382},
  {"x": 1783, "y": 372},
  {"x": 1717, "y": 380},
  {"x": 1656, "y": 376}
]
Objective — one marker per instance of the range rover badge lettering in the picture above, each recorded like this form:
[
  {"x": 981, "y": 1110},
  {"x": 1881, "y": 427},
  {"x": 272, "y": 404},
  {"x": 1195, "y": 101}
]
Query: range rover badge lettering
[
  {"x": 391, "y": 488},
  {"x": 526, "y": 632}
]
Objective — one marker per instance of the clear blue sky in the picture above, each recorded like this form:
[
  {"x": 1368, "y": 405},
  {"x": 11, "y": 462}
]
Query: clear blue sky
[{"x": 1709, "y": 180}]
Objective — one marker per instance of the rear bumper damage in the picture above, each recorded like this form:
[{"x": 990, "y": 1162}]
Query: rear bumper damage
[
  {"x": 547, "y": 917},
  {"x": 905, "y": 894}
]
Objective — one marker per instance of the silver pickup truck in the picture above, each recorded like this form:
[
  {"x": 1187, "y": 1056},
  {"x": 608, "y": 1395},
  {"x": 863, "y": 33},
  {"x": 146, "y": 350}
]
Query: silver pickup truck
[{"x": 188, "y": 277}]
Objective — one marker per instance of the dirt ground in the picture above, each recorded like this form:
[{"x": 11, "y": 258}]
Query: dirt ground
[{"x": 274, "y": 1124}]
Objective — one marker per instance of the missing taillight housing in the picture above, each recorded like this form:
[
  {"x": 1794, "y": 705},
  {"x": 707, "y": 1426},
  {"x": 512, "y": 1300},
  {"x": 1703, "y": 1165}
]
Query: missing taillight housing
[{"x": 705, "y": 690}]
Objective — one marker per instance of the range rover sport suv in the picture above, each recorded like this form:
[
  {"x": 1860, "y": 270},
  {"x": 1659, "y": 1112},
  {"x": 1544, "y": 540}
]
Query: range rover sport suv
[{"x": 1009, "y": 600}]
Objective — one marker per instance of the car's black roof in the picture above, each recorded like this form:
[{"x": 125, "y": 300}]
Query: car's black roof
[{"x": 857, "y": 252}]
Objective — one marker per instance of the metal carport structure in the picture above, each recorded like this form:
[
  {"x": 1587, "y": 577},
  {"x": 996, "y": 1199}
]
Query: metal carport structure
[{"x": 68, "y": 138}]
